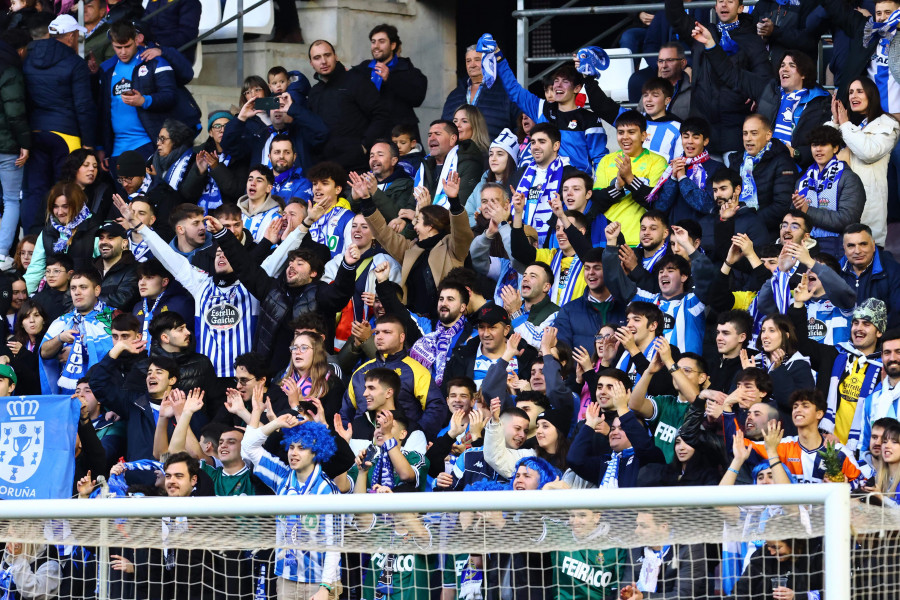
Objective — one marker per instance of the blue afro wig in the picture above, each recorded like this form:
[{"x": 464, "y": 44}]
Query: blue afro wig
[
  {"x": 546, "y": 471},
  {"x": 312, "y": 435},
  {"x": 765, "y": 465},
  {"x": 486, "y": 485}
]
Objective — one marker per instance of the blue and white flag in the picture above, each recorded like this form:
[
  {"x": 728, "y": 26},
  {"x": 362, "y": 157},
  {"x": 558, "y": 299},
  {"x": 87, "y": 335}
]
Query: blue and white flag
[
  {"x": 37, "y": 446},
  {"x": 487, "y": 46}
]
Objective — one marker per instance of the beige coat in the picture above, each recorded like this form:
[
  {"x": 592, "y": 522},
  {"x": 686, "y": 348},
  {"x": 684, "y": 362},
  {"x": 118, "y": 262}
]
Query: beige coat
[{"x": 448, "y": 254}]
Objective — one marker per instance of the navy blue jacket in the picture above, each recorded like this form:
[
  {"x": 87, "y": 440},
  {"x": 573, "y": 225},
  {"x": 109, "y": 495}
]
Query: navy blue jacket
[
  {"x": 154, "y": 78},
  {"x": 494, "y": 103},
  {"x": 59, "y": 91},
  {"x": 580, "y": 319},
  {"x": 174, "y": 26},
  {"x": 294, "y": 185},
  {"x": 881, "y": 280},
  {"x": 591, "y": 467},
  {"x": 402, "y": 91},
  {"x": 134, "y": 408}
]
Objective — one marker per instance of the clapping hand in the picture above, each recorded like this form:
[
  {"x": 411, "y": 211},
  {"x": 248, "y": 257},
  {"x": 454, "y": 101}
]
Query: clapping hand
[{"x": 451, "y": 184}]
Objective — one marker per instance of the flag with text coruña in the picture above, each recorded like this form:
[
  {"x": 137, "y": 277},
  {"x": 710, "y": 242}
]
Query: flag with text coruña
[{"x": 37, "y": 446}]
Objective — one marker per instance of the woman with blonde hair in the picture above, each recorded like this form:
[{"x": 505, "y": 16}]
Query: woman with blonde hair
[
  {"x": 472, "y": 126},
  {"x": 309, "y": 376}
]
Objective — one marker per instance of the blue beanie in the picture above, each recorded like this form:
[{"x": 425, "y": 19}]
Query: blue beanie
[{"x": 215, "y": 115}]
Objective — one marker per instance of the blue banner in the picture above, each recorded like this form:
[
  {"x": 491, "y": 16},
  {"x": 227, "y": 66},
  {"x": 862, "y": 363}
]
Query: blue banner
[{"x": 37, "y": 446}]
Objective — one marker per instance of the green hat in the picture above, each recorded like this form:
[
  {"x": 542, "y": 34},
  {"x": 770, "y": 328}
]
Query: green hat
[{"x": 7, "y": 372}]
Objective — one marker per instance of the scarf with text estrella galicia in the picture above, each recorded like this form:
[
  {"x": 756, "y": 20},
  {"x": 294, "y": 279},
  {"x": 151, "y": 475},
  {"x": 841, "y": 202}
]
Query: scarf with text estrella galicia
[
  {"x": 537, "y": 213},
  {"x": 884, "y": 30},
  {"x": 374, "y": 76},
  {"x": 728, "y": 44},
  {"x": 820, "y": 188},
  {"x": 432, "y": 349},
  {"x": 694, "y": 172},
  {"x": 748, "y": 185},
  {"x": 488, "y": 47}
]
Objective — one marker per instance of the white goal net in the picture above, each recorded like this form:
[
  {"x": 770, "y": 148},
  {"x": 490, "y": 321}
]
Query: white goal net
[{"x": 783, "y": 542}]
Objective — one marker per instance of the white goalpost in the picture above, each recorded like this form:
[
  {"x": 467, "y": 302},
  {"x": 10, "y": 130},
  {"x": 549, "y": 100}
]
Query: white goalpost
[{"x": 249, "y": 521}]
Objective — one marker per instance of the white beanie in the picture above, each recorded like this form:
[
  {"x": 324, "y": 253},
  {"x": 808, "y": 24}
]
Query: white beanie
[{"x": 508, "y": 141}]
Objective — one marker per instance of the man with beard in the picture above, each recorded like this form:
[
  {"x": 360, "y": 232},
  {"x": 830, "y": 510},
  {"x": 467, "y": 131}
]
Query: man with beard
[
  {"x": 290, "y": 184},
  {"x": 884, "y": 401},
  {"x": 530, "y": 308},
  {"x": 297, "y": 290},
  {"x": 579, "y": 320},
  {"x": 419, "y": 399},
  {"x": 117, "y": 266},
  {"x": 451, "y": 330},
  {"x": 388, "y": 186}
]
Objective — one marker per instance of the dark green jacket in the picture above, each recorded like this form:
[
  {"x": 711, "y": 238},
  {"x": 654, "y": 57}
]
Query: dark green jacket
[{"x": 14, "y": 130}]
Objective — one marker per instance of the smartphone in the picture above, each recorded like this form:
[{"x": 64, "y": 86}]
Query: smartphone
[
  {"x": 269, "y": 103},
  {"x": 306, "y": 405},
  {"x": 371, "y": 453},
  {"x": 128, "y": 93}
]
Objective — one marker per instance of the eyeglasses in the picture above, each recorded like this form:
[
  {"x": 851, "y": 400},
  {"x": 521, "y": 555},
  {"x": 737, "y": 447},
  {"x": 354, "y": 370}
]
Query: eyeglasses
[
  {"x": 662, "y": 61},
  {"x": 124, "y": 180},
  {"x": 218, "y": 126},
  {"x": 244, "y": 380},
  {"x": 163, "y": 139},
  {"x": 690, "y": 370},
  {"x": 791, "y": 226},
  {"x": 54, "y": 271},
  {"x": 601, "y": 336},
  {"x": 301, "y": 348}
]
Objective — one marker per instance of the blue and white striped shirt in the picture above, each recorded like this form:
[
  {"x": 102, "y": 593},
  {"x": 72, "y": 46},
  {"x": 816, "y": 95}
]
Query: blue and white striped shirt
[
  {"x": 664, "y": 138},
  {"x": 684, "y": 319},
  {"x": 305, "y": 566}
]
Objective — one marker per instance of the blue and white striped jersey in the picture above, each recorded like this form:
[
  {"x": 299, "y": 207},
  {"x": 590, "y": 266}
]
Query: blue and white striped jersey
[
  {"x": 684, "y": 319},
  {"x": 333, "y": 229},
  {"x": 828, "y": 324},
  {"x": 257, "y": 224},
  {"x": 301, "y": 530}
]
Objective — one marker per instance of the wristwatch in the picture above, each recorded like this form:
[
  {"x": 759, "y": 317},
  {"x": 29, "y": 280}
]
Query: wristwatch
[{"x": 674, "y": 368}]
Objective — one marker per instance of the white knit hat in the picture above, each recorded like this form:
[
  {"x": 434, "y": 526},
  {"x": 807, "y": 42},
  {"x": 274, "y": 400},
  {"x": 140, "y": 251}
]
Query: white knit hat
[{"x": 508, "y": 141}]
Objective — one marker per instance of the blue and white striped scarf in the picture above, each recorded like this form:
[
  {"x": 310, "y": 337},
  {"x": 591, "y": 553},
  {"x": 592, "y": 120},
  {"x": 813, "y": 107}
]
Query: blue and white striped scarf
[
  {"x": 212, "y": 196},
  {"x": 611, "y": 476},
  {"x": 884, "y": 30},
  {"x": 820, "y": 188},
  {"x": 748, "y": 185},
  {"x": 537, "y": 211},
  {"x": 788, "y": 113},
  {"x": 92, "y": 342},
  {"x": 563, "y": 291},
  {"x": 487, "y": 46},
  {"x": 728, "y": 45},
  {"x": 440, "y": 196}
]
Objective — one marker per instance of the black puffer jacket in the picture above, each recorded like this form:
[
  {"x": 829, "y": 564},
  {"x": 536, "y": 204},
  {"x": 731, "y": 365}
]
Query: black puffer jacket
[
  {"x": 280, "y": 303},
  {"x": 724, "y": 108},
  {"x": 120, "y": 284},
  {"x": 14, "y": 130},
  {"x": 81, "y": 246},
  {"x": 354, "y": 113},
  {"x": 774, "y": 175}
]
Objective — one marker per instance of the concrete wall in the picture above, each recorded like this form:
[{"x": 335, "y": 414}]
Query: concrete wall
[{"x": 427, "y": 29}]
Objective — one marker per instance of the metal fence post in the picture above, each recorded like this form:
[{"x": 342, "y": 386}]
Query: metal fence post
[
  {"x": 240, "y": 43},
  {"x": 522, "y": 43}
]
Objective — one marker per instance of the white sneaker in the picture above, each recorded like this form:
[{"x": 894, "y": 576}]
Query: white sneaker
[{"x": 7, "y": 263}]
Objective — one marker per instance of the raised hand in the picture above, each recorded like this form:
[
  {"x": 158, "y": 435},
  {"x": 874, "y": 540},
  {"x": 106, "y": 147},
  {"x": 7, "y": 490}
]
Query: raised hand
[
  {"x": 358, "y": 185},
  {"x": 476, "y": 423},
  {"x": 772, "y": 437},
  {"x": 739, "y": 449},
  {"x": 612, "y": 233},
  {"x": 317, "y": 415},
  {"x": 292, "y": 391},
  {"x": 729, "y": 208},
  {"x": 556, "y": 205},
  {"x": 777, "y": 357},
  {"x": 286, "y": 421},
  {"x": 351, "y": 254},
  {"x": 178, "y": 399},
  {"x": 518, "y": 202},
  {"x": 785, "y": 260},
  {"x": 620, "y": 396},
  {"x": 215, "y": 226},
  {"x": 344, "y": 432},
  {"x": 747, "y": 361},
  {"x": 701, "y": 34},
  {"x": 512, "y": 347},
  {"x": 451, "y": 184},
  {"x": 126, "y": 212},
  {"x": 422, "y": 196},
  {"x": 273, "y": 231},
  {"x": 512, "y": 301},
  {"x": 361, "y": 331},
  {"x": 85, "y": 485},
  {"x": 315, "y": 211},
  {"x": 548, "y": 340},
  {"x": 801, "y": 292},
  {"x": 582, "y": 358},
  {"x": 457, "y": 423},
  {"x": 623, "y": 162},
  {"x": 495, "y": 408},
  {"x": 382, "y": 272},
  {"x": 800, "y": 202},
  {"x": 627, "y": 257},
  {"x": 626, "y": 338},
  {"x": 194, "y": 401}
]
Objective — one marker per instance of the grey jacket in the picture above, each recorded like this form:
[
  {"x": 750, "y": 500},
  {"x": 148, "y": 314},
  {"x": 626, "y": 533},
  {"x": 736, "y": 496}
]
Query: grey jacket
[
  {"x": 836, "y": 289},
  {"x": 851, "y": 199}
]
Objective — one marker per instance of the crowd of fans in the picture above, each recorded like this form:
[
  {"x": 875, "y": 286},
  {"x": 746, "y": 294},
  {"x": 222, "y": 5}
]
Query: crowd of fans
[{"x": 317, "y": 299}]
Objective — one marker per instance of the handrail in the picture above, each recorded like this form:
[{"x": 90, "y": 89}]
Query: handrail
[
  {"x": 599, "y": 10},
  {"x": 208, "y": 33}
]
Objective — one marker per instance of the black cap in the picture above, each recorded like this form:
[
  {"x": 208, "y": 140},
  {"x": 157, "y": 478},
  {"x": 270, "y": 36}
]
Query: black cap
[
  {"x": 491, "y": 314},
  {"x": 112, "y": 228},
  {"x": 131, "y": 164}
]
